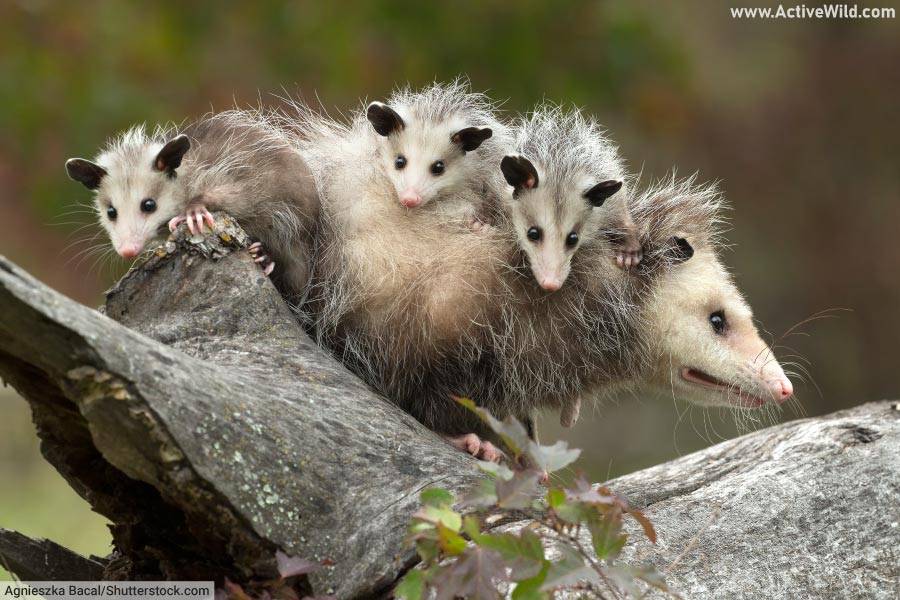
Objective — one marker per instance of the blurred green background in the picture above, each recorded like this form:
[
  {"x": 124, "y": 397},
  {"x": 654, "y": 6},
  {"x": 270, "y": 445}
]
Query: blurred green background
[{"x": 798, "y": 120}]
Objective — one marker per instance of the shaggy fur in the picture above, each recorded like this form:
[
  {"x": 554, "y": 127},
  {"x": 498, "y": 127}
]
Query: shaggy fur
[
  {"x": 238, "y": 163},
  {"x": 571, "y": 155}
]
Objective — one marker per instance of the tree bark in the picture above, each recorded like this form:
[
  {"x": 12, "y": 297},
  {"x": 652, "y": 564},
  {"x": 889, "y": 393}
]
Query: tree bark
[{"x": 204, "y": 423}]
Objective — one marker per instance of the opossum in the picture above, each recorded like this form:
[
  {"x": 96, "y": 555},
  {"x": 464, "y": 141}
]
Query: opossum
[
  {"x": 403, "y": 257},
  {"x": 675, "y": 323},
  {"x": 566, "y": 178},
  {"x": 235, "y": 161}
]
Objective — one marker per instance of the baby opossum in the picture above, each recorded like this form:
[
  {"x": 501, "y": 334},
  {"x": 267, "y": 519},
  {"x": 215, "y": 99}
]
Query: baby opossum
[
  {"x": 564, "y": 177},
  {"x": 400, "y": 185},
  {"x": 233, "y": 161},
  {"x": 403, "y": 259}
]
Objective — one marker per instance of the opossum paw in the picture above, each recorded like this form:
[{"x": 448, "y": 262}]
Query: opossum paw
[
  {"x": 196, "y": 217},
  {"x": 629, "y": 256},
  {"x": 474, "y": 445},
  {"x": 258, "y": 253},
  {"x": 174, "y": 222}
]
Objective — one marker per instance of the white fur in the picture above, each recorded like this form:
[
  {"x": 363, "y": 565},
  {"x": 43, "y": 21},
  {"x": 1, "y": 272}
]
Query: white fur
[{"x": 571, "y": 154}]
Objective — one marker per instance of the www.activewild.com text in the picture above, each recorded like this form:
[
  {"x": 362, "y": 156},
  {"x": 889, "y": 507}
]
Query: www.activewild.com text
[{"x": 801, "y": 11}]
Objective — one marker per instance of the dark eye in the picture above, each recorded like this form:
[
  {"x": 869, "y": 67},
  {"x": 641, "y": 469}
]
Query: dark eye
[
  {"x": 534, "y": 234},
  {"x": 718, "y": 322},
  {"x": 437, "y": 167},
  {"x": 148, "y": 205},
  {"x": 112, "y": 213},
  {"x": 571, "y": 240},
  {"x": 400, "y": 162}
]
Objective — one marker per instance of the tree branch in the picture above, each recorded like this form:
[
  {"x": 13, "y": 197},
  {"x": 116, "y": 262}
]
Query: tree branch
[{"x": 205, "y": 424}]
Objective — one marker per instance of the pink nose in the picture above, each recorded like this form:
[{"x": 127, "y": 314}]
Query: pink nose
[
  {"x": 410, "y": 199},
  {"x": 551, "y": 284},
  {"x": 783, "y": 389},
  {"x": 130, "y": 250}
]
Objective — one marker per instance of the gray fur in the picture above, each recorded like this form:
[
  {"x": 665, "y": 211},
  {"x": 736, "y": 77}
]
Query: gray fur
[{"x": 238, "y": 162}]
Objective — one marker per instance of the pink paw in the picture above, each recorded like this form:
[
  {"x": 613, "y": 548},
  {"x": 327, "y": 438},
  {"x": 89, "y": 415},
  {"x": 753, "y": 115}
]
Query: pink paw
[
  {"x": 474, "y": 445},
  {"x": 629, "y": 255},
  {"x": 258, "y": 252},
  {"x": 196, "y": 216}
]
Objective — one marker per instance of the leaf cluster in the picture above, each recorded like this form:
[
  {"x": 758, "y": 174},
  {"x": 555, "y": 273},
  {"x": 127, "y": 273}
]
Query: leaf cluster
[{"x": 461, "y": 557}]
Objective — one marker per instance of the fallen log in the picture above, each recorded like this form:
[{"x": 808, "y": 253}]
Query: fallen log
[{"x": 204, "y": 423}]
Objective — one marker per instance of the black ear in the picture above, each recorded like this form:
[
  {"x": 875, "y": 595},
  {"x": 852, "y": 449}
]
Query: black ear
[
  {"x": 384, "y": 119},
  {"x": 471, "y": 137},
  {"x": 519, "y": 172},
  {"x": 86, "y": 172},
  {"x": 598, "y": 194},
  {"x": 169, "y": 158},
  {"x": 680, "y": 250}
]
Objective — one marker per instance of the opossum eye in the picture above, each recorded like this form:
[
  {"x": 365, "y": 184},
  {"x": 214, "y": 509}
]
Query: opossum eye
[
  {"x": 534, "y": 234},
  {"x": 718, "y": 322},
  {"x": 437, "y": 167},
  {"x": 112, "y": 213},
  {"x": 571, "y": 239},
  {"x": 148, "y": 205},
  {"x": 400, "y": 162}
]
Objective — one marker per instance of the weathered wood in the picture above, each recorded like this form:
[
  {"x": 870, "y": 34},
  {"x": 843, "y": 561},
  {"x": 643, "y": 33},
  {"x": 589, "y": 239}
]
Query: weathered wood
[
  {"x": 806, "y": 509},
  {"x": 234, "y": 438},
  {"x": 42, "y": 560},
  {"x": 213, "y": 432}
]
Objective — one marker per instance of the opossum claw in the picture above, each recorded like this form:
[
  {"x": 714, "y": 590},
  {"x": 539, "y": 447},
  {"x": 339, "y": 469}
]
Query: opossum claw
[
  {"x": 568, "y": 416},
  {"x": 474, "y": 445},
  {"x": 630, "y": 255},
  {"x": 175, "y": 221},
  {"x": 257, "y": 253}
]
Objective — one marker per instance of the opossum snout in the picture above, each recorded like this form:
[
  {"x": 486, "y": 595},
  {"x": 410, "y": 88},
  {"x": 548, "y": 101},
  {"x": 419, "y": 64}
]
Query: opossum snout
[
  {"x": 410, "y": 199},
  {"x": 550, "y": 283},
  {"x": 130, "y": 249},
  {"x": 782, "y": 389}
]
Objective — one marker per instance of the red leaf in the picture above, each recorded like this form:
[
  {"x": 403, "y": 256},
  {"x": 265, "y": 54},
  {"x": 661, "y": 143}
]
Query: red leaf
[{"x": 291, "y": 566}]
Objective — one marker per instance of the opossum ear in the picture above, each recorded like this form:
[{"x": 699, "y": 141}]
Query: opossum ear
[
  {"x": 88, "y": 173},
  {"x": 384, "y": 119},
  {"x": 519, "y": 172},
  {"x": 471, "y": 137},
  {"x": 598, "y": 194},
  {"x": 680, "y": 250},
  {"x": 169, "y": 158}
]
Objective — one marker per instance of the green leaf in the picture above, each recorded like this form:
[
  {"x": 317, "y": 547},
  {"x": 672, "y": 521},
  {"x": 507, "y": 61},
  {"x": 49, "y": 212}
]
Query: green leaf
[
  {"x": 568, "y": 570},
  {"x": 450, "y": 541},
  {"x": 551, "y": 458},
  {"x": 472, "y": 528},
  {"x": 412, "y": 586},
  {"x": 575, "y": 512},
  {"x": 606, "y": 534},
  {"x": 523, "y": 553},
  {"x": 434, "y": 515},
  {"x": 437, "y": 497},
  {"x": 530, "y": 589},
  {"x": 555, "y": 497}
]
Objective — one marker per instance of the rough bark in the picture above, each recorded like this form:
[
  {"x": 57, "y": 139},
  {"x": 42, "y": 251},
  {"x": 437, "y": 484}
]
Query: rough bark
[{"x": 204, "y": 423}]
